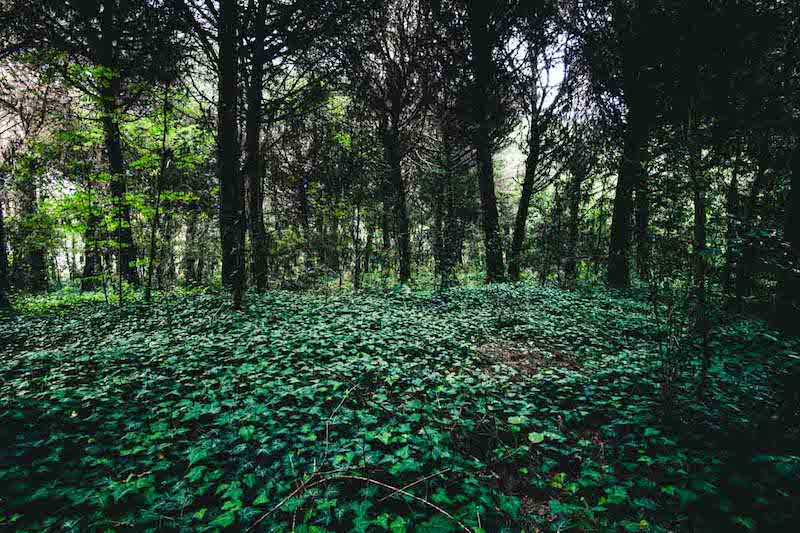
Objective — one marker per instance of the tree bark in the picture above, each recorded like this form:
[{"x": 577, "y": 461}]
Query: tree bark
[
  {"x": 109, "y": 94},
  {"x": 635, "y": 139},
  {"x": 252, "y": 169},
  {"x": 521, "y": 220},
  {"x": 630, "y": 169},
  {"x": 697, "y": 180},
  {"x": 394, "y": 156},
  {"x": 29, "y": 268},
  {"x": 746, "y": 265},
  {"x": 571, "y": 264},
  {"x": 230, "y": 181},
  {"x": 732, "y": 232},
  {"x": 4, "y": 302},
  {"x": 788, "y": 303},
  {"x": 478, "y": 14},
  {"x": 642, "y": 223}
]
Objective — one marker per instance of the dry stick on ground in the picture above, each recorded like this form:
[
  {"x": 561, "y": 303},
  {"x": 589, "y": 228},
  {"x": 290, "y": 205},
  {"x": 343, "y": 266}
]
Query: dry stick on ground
[
  {"x": 401, "y": 491},
  {"x": 417, "y": 482},
  {"x": 307, "y": 485},
  {"x": 328, "y": 423}
]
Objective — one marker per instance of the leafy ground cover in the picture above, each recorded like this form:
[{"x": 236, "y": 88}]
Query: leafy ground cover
[{"x": 392, "y": 412}]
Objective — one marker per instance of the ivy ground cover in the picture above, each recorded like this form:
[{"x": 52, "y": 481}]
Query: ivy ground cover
[{"x": 375, "y": 412}]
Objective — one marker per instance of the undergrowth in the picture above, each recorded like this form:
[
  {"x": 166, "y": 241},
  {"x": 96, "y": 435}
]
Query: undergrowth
[{"x": 378, "y": 412}]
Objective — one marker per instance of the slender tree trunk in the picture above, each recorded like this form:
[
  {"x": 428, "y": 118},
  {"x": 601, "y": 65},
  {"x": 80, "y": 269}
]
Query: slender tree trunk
[
  {"x": 521, "y": 220},
  {"x": 4, "y": 302},
  {"x": 91, "y": 255},
  {"x": 393, "y": 156},
  {"x": 190, "y": 250},
  {"x": 630, "y": 169},
  {"x": 356, "y": 236},
  {"x": 30, "y": 266},
  {"x": 109, "y": 94},
  {"x": 697, "y": 180},
  {"x": 148, "y": 291},
  {"x": 746, "y": 265},
  {"x": 252, "y": 169},
  {"x": 480, "y": 37},
  {"x": 368, "y": 250},
  {"x": 732, "y": 233},
  {"x": 230, "y": 180},
  {"x": 788, "y": 302},
  {"x": 571, "y": 264},
  {"x": 642, "y": 223},
  {"x": 636, "y": 131}
]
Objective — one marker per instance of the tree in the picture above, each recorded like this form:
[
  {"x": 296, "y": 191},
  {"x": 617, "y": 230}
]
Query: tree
[
  {"x": 4, "y": 301},
  {"x": 543, "y": 103},
  {"x": 110, "y": 50},
  {"x": 488, "y": 122},
  {"x": 390, "y": 70}
]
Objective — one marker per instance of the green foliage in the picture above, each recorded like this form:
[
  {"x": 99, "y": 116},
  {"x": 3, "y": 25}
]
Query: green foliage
[{"x": 309, "y": 411}]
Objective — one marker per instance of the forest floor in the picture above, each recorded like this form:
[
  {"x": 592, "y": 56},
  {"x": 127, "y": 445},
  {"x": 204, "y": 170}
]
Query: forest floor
[{"x": 488, "y": 409}]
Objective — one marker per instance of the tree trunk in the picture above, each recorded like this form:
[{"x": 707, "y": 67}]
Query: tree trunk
[
  {"x": 642, "y": 222},
  {"x": 521, "y": 220},
  {"x": 252, "y": 169},
  {"x": 156, "y": 217},
  {"x": 30, "y": 267},
  {"x": 368, "y": 251},
  {"x": 636, "y": 130},
  {"x": 746, "y": 265},
  {"x": 4, "y": 302},
  {"x": 697, "y": 180},
  {"x": 571, "y": 264},
  {"x": 788, "y": 302},
  {"x": 190, "y": 245},
  {"x": 732, "y": 233},
  {"x": 230, "y": 181},
  {"x": 356, "y": 237},
  {"x": 630, "y": 170},
  {"x": 109, "y": 94},
  {"x": 478, "y": 13},
  {"x": 393, "y": 156}
]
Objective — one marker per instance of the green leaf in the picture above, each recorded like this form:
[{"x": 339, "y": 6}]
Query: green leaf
[
  {"x": 224, "y": 520},
  {"x": 247, "y": 432},
  {"x": 536, "y": 438}
]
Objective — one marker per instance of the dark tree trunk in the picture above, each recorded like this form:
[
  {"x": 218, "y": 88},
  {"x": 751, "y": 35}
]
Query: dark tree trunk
[
  {"x": 746, "y": 265},
  {"x": 368, "y": 251},
  {"x": 165, "y": 273},
  {"x": 190, "y": 248},
  {"x": 521, "y": 220},
  {"x": 230, "y": 180},
  {"x": 732, "y": 233},
  {"x": 571, "y": 264},
  {"x": 355, "y": 235},
  {"x": 788, "y": 302},
  {"x": 481, "y": 64},
  {"x": 109, "y": 95},
  {"x": 4, "y": 302},
  {"x": 91, "y": 255},
  {"x": 630, "y": 170},
  {"x": 148, "y": 290},
  {"x": 252, "y": 169},
  {"x": 447, "y": 220},
  {"x": 636, "y": 130},
  {"x": 394, "y": 156},
  {"x": 642, "y": 223},
  {"x": 697, "y": 180},
  {"x": 30, "y": 267}
]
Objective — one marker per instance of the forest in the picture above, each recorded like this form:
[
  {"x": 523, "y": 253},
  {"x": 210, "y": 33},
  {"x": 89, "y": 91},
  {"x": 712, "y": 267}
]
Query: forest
[{"x": 400, "y": 265}]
